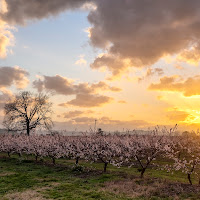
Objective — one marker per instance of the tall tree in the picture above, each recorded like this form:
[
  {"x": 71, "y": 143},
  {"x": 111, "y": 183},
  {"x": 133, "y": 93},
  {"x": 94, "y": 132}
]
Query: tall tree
[{"x": 28, "y": 111}]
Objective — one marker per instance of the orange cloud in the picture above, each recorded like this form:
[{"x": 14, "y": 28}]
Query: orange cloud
[
  {"x": 122, "y": 101},
  {"x": 177, "y": 116},
  {"x": 76, "y": 113},
  {"x": 159, "y": 97},
  {"x": 6, "y": 38},
  {"x": 81, "y": 61},
  {"x": 191, "y": 56},
  {"x": 114, "y": 64},
  {"x": 189, "y": 87}
]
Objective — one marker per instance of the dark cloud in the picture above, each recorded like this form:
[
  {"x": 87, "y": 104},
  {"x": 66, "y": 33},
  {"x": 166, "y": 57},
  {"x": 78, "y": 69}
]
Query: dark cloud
[
  {"x": 188, "y": 87},
  {"x": 88, "y": 100},
  {"x": 13, "y": 76},
  {"x": 87, "y": 95},
  {"x": 39, "y": 85},
  {"x": 143, "y": 30},
  {"x": 134, "y": 33},
  {"x": 115, "y": 64},
  {"x": 65, "y": 86},
  {"x": 21, "y": 11},
  {"x": 58, "y": 84}
]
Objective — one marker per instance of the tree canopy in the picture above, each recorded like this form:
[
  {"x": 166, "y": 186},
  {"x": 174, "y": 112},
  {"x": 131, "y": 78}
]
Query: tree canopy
[{"x": 27, "y": 111}]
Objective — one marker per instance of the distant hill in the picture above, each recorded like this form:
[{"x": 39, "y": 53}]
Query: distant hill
[{"x": 2, "y": 131}]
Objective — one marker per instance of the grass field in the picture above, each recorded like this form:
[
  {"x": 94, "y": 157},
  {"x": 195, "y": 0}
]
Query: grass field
[{"x": 23, "y": 178}]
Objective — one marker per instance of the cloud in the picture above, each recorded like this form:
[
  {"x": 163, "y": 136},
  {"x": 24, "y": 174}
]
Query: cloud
[
  {"x": 151, "y": 72},
  {"x": 106, "y": 123},
  {"x": 125, "y": 124},
  {"x": 84, "y": 120},
  {"x": 133, "y": 33},
  {"x": 87, "y": 95},
  {"x": 177, "y": 116},
  {"x": 109, "y": 124},
  {"x": 114, "y": 64},
  {"x": 142, "y": 31},
  {"x": 6, "y": 38},
  {"x": 89, "y": 6},
  {"x": 39, "y": 85},
  {"x": 178, "y": 67},
  {"x": 76, "y": 113},
  {"x": 190, "y": 56},
  {"x": 159, "y": 97},
  {"x": 188, "y": 87},
  {"x": 81, "y": 61},
  {"x": 88, "y": 100},
  {"x": 58, "y": 84},
  {"x": 122, "y": 101},
  {"x": 5, "y": 95},
  {"x": 21, "y": 11},
  {"x": 13, "y": 76},
  {"x": 65, "y": 86},
  {"x": 3, "y": 6},
  {"x": 103, "y": 86}
]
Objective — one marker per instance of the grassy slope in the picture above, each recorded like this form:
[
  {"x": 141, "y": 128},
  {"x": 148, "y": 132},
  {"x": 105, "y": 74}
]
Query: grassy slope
[{"x": 63, "y": 182}]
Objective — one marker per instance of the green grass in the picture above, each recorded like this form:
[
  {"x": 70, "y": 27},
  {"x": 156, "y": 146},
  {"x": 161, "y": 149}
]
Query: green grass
[
  {"x": 62, "y": 181},
  {"x": 19, "y": 175}
]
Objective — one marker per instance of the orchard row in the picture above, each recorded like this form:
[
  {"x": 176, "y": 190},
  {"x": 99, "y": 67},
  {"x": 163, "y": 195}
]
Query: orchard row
[{"x": 164, "y": 152}]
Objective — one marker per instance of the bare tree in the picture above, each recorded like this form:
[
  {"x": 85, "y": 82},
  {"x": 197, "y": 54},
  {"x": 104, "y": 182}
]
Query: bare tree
[{"x": 28, "y": 111}]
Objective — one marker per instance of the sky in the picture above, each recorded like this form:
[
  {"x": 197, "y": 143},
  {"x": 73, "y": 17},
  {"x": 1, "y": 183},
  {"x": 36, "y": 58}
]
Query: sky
[{"x": 129, "y": 64}]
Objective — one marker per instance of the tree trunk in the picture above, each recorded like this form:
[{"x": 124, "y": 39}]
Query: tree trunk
[
  {"x": 36, "y": 158},
  {"x": 9, "y": 154},
  {"x": 105, "y": 166},
  {"x": 189, "y": 179},
  {"x": 54, "y": 161},
  {"x": 77, "y": 159},
  {"x": 27, "y": 128},
  {"x": 142, "y": 172}
]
